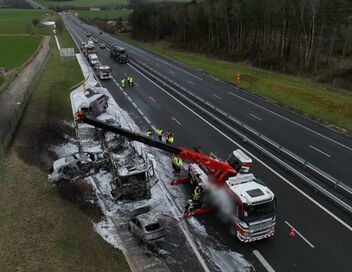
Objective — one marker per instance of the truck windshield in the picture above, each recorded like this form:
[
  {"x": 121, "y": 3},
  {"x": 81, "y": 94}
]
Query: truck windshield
[
  {"x": 257, "y": 212},
  {"x": 105, "y": 70}
]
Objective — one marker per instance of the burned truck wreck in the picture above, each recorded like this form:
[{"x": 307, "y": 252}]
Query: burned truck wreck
[{"x": 132, "y": 172}]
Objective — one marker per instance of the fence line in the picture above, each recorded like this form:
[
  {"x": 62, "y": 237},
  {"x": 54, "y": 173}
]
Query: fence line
[{"x": 7, "y": 135}]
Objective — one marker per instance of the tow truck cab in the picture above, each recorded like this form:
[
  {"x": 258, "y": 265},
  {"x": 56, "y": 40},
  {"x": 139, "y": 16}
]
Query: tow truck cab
[
  {"x": 243, "y": 200},
  {"x": 254, "y": 206}
]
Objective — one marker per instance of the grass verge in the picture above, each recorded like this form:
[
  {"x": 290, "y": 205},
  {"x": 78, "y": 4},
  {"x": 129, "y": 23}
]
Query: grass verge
[
  {"x": 40, "y": 231},
  {"x": 298, "y": 94}
]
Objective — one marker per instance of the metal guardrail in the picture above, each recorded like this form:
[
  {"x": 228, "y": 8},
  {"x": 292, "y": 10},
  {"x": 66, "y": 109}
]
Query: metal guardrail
[{"x": 305, "y": 165}]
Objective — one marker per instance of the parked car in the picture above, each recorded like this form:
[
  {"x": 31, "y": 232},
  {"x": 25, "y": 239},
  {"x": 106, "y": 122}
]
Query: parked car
[
  {"x": 102, "y": 46},
  {"x": 146, "y": 226},
  {"x": 88, "y": 35},
  {"x": 101, "y": 32}
]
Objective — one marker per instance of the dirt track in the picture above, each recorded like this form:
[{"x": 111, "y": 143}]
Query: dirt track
[{"x": 13, "y": 95}]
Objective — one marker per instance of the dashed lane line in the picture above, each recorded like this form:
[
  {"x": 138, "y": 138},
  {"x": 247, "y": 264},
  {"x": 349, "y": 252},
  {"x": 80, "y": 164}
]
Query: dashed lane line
[
  {"x": 262, "y": 260},
  {"x": 318, "y": 150},
  {"x": 256, "y": 117},
  {"x": 291, "y": 121}
]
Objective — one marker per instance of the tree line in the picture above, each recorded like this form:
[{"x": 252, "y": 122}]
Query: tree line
[{"x": 286, "y": 35}]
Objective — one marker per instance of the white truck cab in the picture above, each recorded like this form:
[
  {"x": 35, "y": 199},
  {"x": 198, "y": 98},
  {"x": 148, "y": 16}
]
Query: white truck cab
[
  {"x": 104, "y": 72},
  {"x": 243, "y": 200}
]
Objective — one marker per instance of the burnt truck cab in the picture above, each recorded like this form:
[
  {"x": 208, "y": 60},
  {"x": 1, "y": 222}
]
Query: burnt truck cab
[
  {"x": 118, "y": 53},
  {"x": 95, "y": 104},
  {"x": 134, "y": 179}
]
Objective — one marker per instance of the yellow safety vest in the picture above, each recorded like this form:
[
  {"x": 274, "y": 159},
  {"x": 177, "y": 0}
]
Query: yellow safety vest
[
  {"x": 159, "y": 132},
  {"x": 196, "y": 196},
  {"x": 170, "y": 139},
  {"x": 178, "y": 162}
]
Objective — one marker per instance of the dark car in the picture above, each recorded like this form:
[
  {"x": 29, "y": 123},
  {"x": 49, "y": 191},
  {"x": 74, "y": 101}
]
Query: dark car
[{"x": 102, "y": 46}]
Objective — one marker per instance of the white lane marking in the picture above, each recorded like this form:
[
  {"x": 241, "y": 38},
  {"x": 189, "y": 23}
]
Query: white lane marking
[
  {"x": 256, "y": 117},
  {"x": 300, "y": 235},
  {"x": 134, "y": 105},
  {"x": 251, "y": 154},
  {"x": 218, "y": 97},
  {"x": 147, "y": 119},
  {"x": 139, "y": 110},
  {"x": 171, "y": 72},
  {"x": 152, "y": 99},
  {"x": 174, "y": 119},
  {"x": 261, "y": 259},
  {"x": 136, "y": 84},
  {"x": 179, "y": 68},
  {"x": 190, "y": 82},
  {"x": 293, "y": 122},
  {"x": 57, "y": 43},
  {"x": 322, "y": 152}
]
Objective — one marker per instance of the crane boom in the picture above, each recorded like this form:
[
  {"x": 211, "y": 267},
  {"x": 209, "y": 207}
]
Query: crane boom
[{"x": 216, "y": 167}]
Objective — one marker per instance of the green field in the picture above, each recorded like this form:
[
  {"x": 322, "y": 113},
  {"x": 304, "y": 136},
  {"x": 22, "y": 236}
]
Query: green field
[
  {"x": 298, "y": 94},
  {"x": 40, "y": 230},
  {"x": 104, "y": 14},
  {"x": 18, "y": 21},
  {"x": 15, "y": 50},
  {"x": 84, "y": 3}
]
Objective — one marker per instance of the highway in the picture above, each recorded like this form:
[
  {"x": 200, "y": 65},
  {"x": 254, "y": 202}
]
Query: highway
[
  {"x": 328, "y": 150},
  {"x": 322, "y": 229}
]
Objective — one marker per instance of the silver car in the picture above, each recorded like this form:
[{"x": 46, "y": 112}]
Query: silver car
[{"x": 146, "y": 226}]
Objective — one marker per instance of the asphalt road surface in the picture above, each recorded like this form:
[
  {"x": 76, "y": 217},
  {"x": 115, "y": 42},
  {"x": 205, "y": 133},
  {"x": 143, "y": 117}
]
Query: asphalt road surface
[{"x": 323, "y": 239}]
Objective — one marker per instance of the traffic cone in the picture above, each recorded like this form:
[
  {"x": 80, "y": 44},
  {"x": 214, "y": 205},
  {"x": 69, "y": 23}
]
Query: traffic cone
[{"x": 292, "y": 233}]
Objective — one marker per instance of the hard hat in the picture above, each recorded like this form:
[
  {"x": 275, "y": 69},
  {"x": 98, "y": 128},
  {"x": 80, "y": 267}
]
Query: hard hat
[
  {"x": 197, "y": 187},
  {"x": 189, "y": 200}
]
